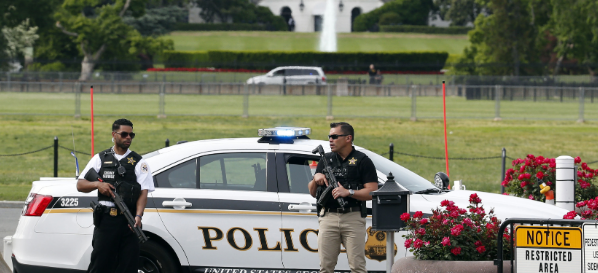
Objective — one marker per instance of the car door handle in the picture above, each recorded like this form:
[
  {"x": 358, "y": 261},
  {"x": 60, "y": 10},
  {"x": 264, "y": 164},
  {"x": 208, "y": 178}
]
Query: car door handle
[
  {"x": 301, "y": 207},
  {"x": 177, "y": 203}
]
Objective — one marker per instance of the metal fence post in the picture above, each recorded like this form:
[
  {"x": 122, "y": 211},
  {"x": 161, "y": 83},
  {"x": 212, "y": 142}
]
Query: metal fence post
[
  {"x": 8, "y": 79},
  {"x": 414, "y": 102},
  {"x": 504, "y": 162},
  {"x": 245, "y": 100},
  {"x": 60, "y": 79},
  {"x": 581, "y": 104},
  {"x": 497, "y": 94},
  {"x": 167, "y": 143},
  {"x": 78, "y": 100},
  {"x": 391, "y": 152},
  {"x": 55, "y": 156},
  {"x": 162, "y": 107},
  {"x": 329, "y": 91}
]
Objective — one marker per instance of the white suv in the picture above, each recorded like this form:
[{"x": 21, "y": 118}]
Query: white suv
[{"x": 294, "y": 75}]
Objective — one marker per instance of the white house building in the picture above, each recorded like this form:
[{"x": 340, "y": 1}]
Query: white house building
[{"x": 308, "y": 14}]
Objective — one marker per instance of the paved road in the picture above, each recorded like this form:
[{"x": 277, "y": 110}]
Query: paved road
[{"x": 9, "y": 218}]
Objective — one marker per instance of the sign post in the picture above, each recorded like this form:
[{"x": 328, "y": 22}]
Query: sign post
[{"x": 548, "y": 249}]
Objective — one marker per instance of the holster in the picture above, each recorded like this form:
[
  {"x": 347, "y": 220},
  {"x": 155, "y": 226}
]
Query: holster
[{"x": 98, "y": 211}]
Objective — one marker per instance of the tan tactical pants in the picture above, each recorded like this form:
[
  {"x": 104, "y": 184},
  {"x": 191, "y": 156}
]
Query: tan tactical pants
[{"x": 345, "y": 228}]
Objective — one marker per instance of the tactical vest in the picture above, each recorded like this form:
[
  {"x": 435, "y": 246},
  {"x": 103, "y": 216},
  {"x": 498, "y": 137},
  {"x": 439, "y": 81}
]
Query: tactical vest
[
  {"x": 125, "y": 184},
  {"x": 347, "y": 175}
]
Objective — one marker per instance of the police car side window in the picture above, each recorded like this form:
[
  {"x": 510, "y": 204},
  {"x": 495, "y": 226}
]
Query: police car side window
[
  {"x": 279, "y": 73},
  {"x": 180, "y": 176},
  {"x": 233, "y": 171},
  {"x": 300, "y": 170},
  {"x": 310, "y": 72}
]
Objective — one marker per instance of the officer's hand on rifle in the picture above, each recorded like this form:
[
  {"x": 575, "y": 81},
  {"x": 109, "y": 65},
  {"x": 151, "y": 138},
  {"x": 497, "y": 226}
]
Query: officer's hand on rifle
[
  {"x": 340, "y": 192},
  {"x": 106, "y": 189},
  {"x": 320, "y": 179},
  {"x": 137, "y": 222}
]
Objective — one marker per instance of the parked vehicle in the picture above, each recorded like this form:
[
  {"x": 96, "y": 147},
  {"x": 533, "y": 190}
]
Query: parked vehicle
[
  {"x": 292, "y": 75},
  {"x": 226, "y": 204}
]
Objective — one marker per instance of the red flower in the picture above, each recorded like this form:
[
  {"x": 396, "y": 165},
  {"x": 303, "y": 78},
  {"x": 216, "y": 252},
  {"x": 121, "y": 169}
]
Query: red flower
[
  {"x": 510, "y": 171},
  {"x": 527, "y": 175},
  {"x": 580, "y": 204},
  {"x": 456, "y": 250},
  {"x": 456, "y": 230},
  {"x": 446, "y": 241},
  {"x": 531, "y": 197},
  {"x": 584, "y": 166},
  {"x": 421, "y": 231},
  {"x": 544, "y": 167},
  {"x": 405, "y": 217},
  {"x": 423, "y": 221},
  {"x": 505, "y": 183},
  {"x": 587, "y": 214},
  {"x": 444, "y": 203},
  {"x": 577, "y": 160},
  {"x": 474, "y": 199},
  {"x": 418, "y": 244},
  {"x": 408, "y": 243},
  {"x": 481, "y": 249},
  {"x": 548, "y": 183},
  {"x": 523, "y": 184},
  {"x": 468, "y": 222},
  {"x": 531, "y": 156},
  {"x": 454, "y": 214},
  {"x": 478, "y": 243},
  {"x": 522, "y": 169},
  {"x": 540, "y": 175},
  {"x": 418, "y": 214},
  {"x": 570, "y": 215},
  {"x": 506, "y": 236}
]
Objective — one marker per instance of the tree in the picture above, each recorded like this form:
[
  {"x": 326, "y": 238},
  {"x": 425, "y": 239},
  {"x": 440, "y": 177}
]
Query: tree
[
  {"x": 505, "y": 39},
  {"x": 96, "y": 26},
  {"x": 411, "y": 12},
  {"x": 460, "y": 12},
  {"x": 157, "y": 21},
  {"x": 239, "y": 11},
  {"x": 19, "y": 38}
]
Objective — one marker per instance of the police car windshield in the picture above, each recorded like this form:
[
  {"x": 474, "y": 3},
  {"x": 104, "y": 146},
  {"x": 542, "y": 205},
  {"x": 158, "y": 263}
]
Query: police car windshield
[{"x": 403, "y": 176}]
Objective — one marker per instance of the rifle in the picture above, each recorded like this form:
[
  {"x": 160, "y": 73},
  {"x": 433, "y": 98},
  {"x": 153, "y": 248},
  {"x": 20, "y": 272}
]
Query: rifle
[
  {"x": 92, "y": 175},
  {"x": 332, "y": 182}
]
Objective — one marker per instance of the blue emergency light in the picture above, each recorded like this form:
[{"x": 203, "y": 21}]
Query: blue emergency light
[{"x": 282, "y": 134}]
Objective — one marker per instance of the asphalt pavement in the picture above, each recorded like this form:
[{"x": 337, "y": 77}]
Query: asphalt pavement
[{"x": 9, "y": 218}]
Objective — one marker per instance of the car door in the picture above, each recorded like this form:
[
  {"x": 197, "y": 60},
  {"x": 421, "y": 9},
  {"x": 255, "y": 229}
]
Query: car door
[
  {"x": 300, "y": 221},
  {"x": 277, "y": 77},
  {"x": 292, "y": 76},
  {"x": 223, "y": 210}
]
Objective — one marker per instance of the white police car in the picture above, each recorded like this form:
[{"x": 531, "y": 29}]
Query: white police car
[{"x": 224, "y": 206}]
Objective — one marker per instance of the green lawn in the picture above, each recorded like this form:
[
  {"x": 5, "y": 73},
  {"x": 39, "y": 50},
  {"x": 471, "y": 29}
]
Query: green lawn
[
  {"x": 467, "y": 137},
  {"x": 293, "y": 41}
]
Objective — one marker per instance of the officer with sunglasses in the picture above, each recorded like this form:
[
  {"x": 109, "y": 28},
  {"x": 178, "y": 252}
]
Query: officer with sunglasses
[
  {"x": 356, "y": 175},
  {"x": 115, "y": 245}
]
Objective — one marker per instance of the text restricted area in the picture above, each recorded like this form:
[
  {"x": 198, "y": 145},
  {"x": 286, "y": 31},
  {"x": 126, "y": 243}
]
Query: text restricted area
[{"x": 548, "y": 249}]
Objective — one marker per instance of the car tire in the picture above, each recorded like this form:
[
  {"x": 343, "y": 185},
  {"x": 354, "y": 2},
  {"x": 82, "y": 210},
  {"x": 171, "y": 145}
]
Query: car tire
[{"x": 155, "y": 259}]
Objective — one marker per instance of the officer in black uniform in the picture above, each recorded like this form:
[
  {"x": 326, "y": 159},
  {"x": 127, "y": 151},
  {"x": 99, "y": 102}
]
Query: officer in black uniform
[
  {"x": 115, "y": 245},
  {"x": 357, "y": 177}
]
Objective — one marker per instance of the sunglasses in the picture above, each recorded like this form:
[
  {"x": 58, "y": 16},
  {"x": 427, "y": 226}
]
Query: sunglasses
[
  {"x": 335, "y": 136},
  {"x": 126, "y": 134}
]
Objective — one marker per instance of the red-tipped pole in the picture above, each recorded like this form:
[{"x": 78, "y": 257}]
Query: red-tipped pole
[
  {"x": 92, "y": 144},
  {"x": 445, "y": 138}
]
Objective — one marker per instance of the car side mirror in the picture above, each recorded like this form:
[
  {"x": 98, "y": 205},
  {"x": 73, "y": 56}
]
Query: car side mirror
[{"x": 441, "y": 181}]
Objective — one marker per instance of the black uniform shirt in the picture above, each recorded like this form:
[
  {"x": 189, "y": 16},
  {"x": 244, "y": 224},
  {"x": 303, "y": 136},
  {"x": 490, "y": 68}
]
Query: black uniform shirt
[{"x": 353, "y": 172}]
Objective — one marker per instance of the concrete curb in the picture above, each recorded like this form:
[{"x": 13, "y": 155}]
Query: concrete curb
[
  {"x": 12, "y": 204},
  {"x": 4, "y": 267}
]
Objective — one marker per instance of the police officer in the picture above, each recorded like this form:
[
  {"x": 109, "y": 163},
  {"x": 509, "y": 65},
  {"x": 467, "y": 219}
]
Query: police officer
[
  {"x": 357, "y": 177},
  {"x": 115, "y": 245}
]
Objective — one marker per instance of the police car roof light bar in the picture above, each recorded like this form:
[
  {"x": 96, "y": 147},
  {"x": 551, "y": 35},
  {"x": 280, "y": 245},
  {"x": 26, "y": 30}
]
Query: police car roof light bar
[{"x": 284, "y": 135}]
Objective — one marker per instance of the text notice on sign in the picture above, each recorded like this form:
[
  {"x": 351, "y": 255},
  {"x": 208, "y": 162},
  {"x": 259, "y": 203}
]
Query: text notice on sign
[
  {"x": 548, "y": 249},
  {"x": 590, "y": 247}
]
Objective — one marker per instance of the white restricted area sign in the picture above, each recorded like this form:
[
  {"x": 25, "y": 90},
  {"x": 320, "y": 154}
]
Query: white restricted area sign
[
  {"x": 548, "y": 249},
  {"x": 590, "y": 247}
]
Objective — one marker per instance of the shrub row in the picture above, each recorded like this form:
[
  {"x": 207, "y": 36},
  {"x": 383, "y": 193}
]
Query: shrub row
[
  {"x": 425, "y": 29},
  {"x": 337, "y": 61},
  {"x": 221, "y": 27}
]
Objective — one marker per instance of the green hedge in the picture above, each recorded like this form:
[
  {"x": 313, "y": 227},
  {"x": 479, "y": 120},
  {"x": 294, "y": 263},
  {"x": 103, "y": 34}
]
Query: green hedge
[
  {"x": 426, "y": 29},
  {"x": 339, "y": 61},
  {"x": 219, "y": 27}
]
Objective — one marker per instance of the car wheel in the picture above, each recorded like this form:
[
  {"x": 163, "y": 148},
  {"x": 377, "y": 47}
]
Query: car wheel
[{"x": 155, "y": 259}]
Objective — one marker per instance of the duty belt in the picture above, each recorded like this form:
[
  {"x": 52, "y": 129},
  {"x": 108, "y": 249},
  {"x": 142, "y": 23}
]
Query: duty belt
[{"x": 343, "y": 210}]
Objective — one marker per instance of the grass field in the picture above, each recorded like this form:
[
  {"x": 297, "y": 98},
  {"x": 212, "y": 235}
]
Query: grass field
[
  {"x": 293, "y": 41},
  {"x": 467, "y": 138},
  {"x": 294, "y": 106}
]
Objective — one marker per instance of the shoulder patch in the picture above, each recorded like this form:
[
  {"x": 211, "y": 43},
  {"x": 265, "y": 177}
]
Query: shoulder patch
[{"x": 144, "y": 167}]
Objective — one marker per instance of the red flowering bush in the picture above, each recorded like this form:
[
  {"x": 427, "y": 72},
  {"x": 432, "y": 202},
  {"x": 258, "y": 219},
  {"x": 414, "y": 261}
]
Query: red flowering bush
[
  {"x": 586, "y": 210},
  {"x": 454, "y": 233},
  {"x": 528, "y": 173}
]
